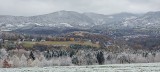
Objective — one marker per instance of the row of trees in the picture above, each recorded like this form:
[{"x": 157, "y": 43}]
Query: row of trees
[
  {"x": 23, "y": 58},
  {"x": 15, "y": 36}
]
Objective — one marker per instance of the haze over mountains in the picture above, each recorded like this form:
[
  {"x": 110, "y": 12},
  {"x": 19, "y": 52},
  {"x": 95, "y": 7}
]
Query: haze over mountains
[{"x": 62, "y": 20}]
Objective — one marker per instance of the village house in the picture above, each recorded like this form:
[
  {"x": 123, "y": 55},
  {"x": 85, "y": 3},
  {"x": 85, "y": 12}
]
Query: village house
[
  {"x": 33, "y": 40},
  {"x": 43, "y": 40},
  {"x": 19, "y": 41}
]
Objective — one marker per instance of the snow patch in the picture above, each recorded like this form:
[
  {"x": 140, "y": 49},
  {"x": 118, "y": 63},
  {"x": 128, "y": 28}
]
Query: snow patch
[
  {"x": 38, "y": 24},
  {"x": 66, "y": 24},
  {"x": 111, "y": 17},
  {"x": 140, "y": 67}
]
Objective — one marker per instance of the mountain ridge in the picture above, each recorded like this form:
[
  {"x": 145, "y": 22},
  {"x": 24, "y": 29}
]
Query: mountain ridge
[{"x": 74, "y": 20}]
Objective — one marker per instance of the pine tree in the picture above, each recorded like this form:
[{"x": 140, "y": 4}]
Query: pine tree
[
  {"x": 100, "y": 58},
  {"x": 31, "y": 56},
  {"x": 16, "y": 61},
  {"x": 42, "y": 60},
  {"x": 29, "y": 62},
  {"x": 36, "y": 62},
  {"x": 48, "y": 55},
  {"x": 23, "y": 61}
]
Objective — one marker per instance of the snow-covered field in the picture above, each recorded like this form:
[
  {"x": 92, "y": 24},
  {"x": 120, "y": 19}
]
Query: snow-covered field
[{"x": 139, "y": 67}]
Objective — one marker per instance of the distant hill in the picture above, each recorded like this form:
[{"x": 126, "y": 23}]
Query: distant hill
[{"x": 66, "y": 20}]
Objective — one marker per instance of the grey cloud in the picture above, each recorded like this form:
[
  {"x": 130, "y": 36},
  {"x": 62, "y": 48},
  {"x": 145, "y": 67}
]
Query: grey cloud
[{"x": 36, "y": 7}]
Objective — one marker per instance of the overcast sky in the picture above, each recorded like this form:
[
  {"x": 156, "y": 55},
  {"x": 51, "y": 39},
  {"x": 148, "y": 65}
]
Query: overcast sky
[{"x": 37, "y": 7}]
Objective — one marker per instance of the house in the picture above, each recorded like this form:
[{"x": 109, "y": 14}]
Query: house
[
  {"x": 43, "y": 40},
  {"x": 79, "y": 33},
  {"x": 33, "y": 40},
  {"x": 97, "y": 42},
  {"x": 19, "y": 41},
  {"x": 5, "y": 40}
]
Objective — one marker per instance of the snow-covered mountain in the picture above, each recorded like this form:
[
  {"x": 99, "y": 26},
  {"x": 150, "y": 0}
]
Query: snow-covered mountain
[
  {"x": 74, "y": 20},
  {"x": 111, "y": 21},
  {"x": 60, "y": 19},
  {"x": 100, "y": 19},
  {"x": 150, "y": 20},
  {"x": 56, "y": 19}
]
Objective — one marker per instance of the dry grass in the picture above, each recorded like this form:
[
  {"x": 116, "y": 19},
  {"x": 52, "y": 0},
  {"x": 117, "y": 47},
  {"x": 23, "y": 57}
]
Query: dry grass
[{"x": 66, "y": 43}]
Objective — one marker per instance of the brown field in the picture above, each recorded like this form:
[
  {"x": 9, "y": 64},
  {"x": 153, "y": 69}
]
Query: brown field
[{"x": 66, "y": 43}]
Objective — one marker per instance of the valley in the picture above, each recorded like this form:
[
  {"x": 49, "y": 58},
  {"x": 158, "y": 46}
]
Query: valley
[{"x": 68, "y": 38}]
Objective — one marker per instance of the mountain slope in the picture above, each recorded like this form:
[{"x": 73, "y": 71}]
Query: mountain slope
[
  {"x": 62, "y": 20},
  {"x": 56, "y": 19},
  {"x": 150, "y": 20}
]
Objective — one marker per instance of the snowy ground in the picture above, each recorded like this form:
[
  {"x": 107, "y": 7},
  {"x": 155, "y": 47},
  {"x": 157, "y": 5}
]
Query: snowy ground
[{"x": 141, "y": 67}]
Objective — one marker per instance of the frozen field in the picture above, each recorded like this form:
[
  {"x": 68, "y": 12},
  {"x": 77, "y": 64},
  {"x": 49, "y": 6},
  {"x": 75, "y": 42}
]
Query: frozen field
[{"x": 141, "y": 67}]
